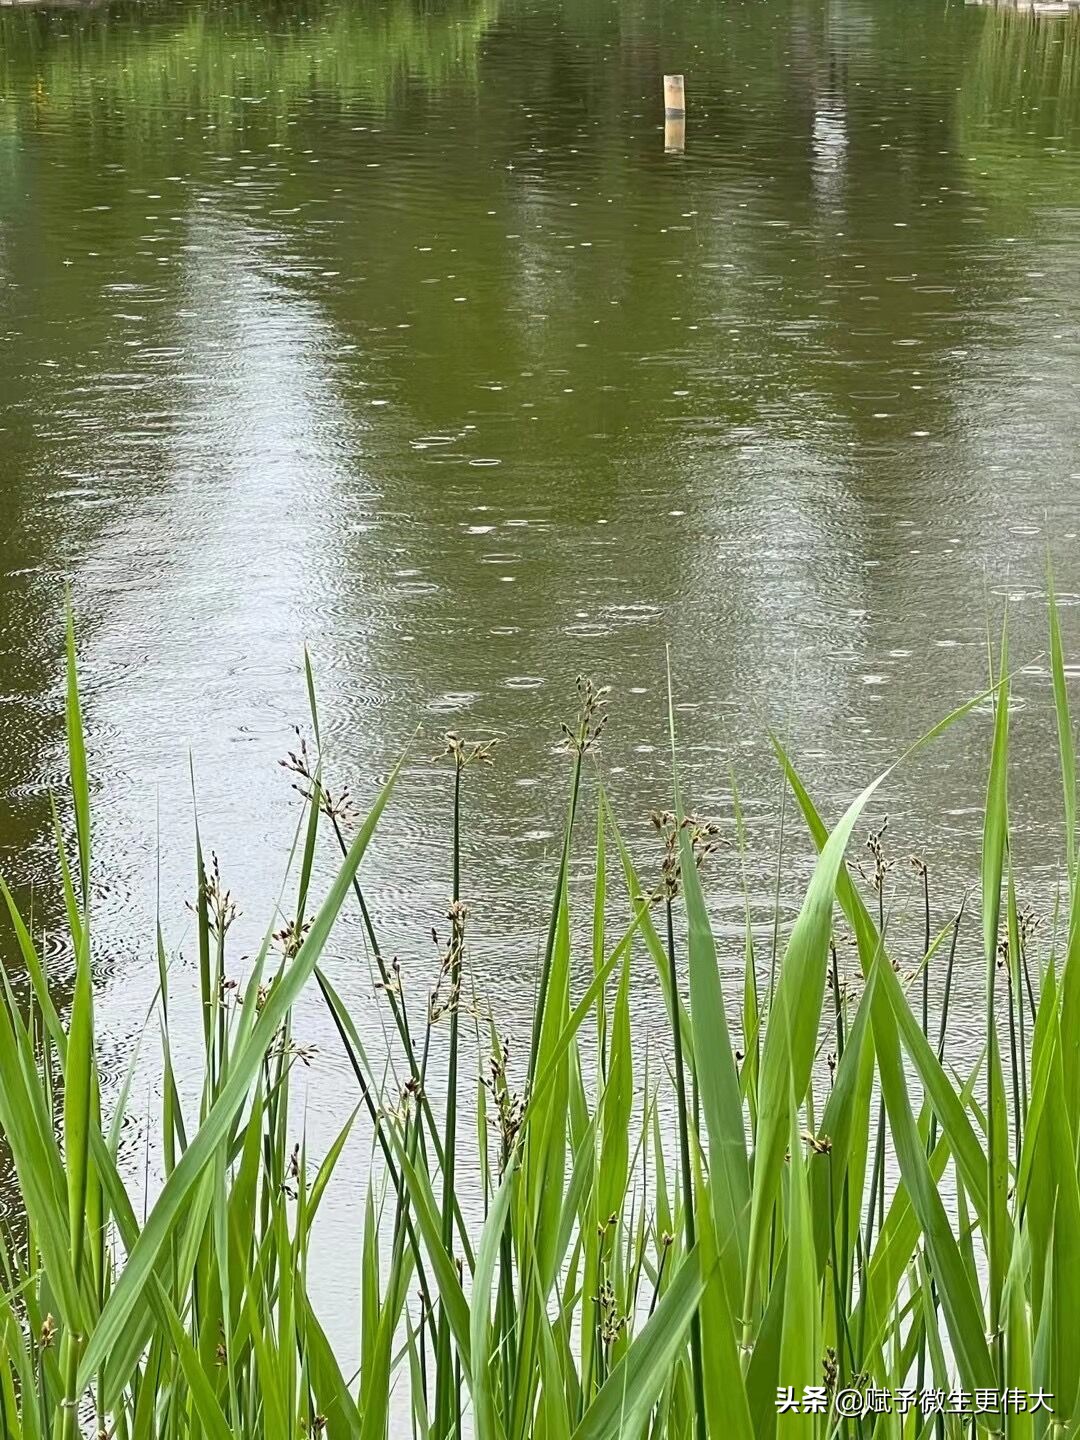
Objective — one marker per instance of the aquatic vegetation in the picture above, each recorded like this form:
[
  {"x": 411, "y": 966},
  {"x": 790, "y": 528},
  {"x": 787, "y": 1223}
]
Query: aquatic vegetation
[
  {"x": 205, "y": 61},
  {"x": 1027, "y": 66},
  {"x": 711, "y": 1249}
]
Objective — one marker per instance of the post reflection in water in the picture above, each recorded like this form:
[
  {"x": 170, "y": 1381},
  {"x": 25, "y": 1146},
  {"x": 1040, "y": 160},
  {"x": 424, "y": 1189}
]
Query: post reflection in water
[{"x": 674, "y": 134}]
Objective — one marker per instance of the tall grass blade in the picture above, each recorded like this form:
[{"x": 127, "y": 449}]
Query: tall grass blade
[
  {"x": 163, "y": 1218},
  {"x": 1066, "y": 743},
  {"x": 632, "y": 1389},
  {"x": 714, "y": 1069}
]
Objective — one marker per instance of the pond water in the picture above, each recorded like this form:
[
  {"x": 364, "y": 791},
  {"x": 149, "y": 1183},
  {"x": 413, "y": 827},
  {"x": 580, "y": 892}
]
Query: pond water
[{"x": 393, "y": 330}]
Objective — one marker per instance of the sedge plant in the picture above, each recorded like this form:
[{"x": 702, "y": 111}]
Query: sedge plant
[{"x": 695, "y": 1242}]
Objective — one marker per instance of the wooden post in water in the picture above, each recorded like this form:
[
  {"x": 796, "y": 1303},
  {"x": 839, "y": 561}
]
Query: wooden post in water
[
  {"x": 674, "y": 115},
  {"x": 674, "y": 97}
]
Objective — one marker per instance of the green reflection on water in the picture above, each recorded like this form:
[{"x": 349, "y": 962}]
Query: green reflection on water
[{"x": 108, "y": 65}]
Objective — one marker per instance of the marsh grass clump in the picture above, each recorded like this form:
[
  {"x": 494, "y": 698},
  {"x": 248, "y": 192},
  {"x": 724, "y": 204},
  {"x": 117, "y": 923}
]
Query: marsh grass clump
[{"x": 700, "y": 1245}]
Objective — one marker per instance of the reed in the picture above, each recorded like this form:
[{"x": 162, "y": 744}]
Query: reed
[{"x": 702, "y": 1249}]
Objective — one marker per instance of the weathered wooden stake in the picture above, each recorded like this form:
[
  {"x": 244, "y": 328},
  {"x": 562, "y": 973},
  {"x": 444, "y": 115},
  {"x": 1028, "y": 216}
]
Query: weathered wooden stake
[
  {"x": 674, "y": 134},
  {"x": 674, "y": 97}
]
